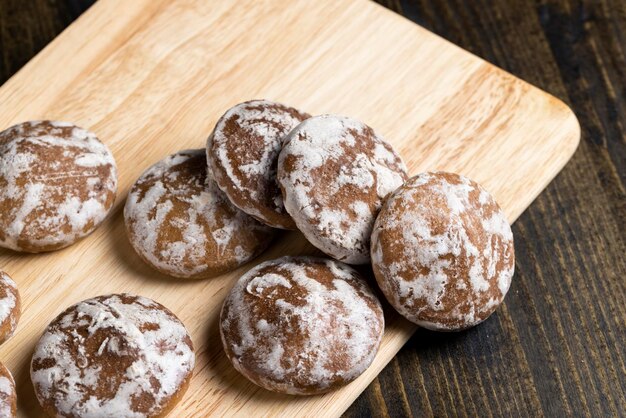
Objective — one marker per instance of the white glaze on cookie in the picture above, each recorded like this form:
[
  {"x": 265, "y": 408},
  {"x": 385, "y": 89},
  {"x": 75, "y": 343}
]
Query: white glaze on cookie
[
  {"x": 301, "y": 325},
  {"x": 8, "y": 395},
  {"x": 182, "y": 224},
  {"x": 335, "y": 173},
  {"x": 57, "y": 184},
  {"x": 9, "y": 306},
  {"x": 242, "y": 152},
  {"x": 113, "y": 356},
  {"x": 442, "y": 251}
]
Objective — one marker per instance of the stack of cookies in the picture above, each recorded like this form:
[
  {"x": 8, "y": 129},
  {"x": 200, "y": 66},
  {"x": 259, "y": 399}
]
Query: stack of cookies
[{"x": 440, "y": 248}]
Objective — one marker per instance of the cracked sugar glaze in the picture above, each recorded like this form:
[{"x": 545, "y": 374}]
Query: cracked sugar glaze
[{"x": 301, "y": 325}]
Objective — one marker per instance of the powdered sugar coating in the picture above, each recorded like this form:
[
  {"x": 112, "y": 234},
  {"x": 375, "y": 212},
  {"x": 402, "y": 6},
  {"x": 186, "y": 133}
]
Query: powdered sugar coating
[
  {"x": 442, "y": 251},
  {"x": 301, "y": 325},
  {"x": 180, "y": 223},
  {"x": 10, "y": 306},
  {"x": 57, "y": 184},
  {"x": 335, "y": 173},
  {"x": 243, "y": 151},
  {"x": 8, "y": 395},
  {"x": 112, "y": 356}
]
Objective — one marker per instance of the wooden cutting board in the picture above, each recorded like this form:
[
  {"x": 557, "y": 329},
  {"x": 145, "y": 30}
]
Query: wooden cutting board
[{"x": 152, "y": 76}]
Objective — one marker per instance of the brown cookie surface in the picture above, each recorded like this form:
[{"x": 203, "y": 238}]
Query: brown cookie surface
[
  {"x": 57, "y": 184},
  {"x": 442, "y": 251},
  {"x": 10, "y": 307},
  {"x": 180, "y": 223},
  {"x": 116, "y": 356},
  {"x": 243, "y": 151},
  {"x": 335, "y": 173},
  {"x": 8, "y": 395},
  {"x": 301, "y": 325}
]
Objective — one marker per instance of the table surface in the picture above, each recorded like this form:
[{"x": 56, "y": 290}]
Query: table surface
[{"x": 557, "y": 347}]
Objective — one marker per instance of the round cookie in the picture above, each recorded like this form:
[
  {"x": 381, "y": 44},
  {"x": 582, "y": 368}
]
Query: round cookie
[
  {"x": 335, "y": 173},
  {"x": 10, "y": 307},
  {"x": 57, "y": 184},
  {"x": 242, "y": 152},
  {"x": 180, "y": 223},
  {"x": 301, "y": 325},
  {"x": 442, "y": 252},
  {"x": 114, "y": 356},
  {"x": 8, "y": 395}
]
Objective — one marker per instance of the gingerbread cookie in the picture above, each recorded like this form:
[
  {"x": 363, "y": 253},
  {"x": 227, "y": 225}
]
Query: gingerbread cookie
[
  {"x": 243, "y": 150},
  {"x": 8, "y": 395},
  {"x": 335, "y": 173},
  {"x": 442, "y": 252},
  {"x": 112, "y": 356},
  {"x": 180, "y": 223},
  {"x": 10, "y": 307},
  {"x": 57, "y": 184},
  {"x": 301, "y": 325}
]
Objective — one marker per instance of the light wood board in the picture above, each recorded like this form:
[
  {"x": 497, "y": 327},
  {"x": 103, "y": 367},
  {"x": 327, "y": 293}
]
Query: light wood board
[{"x": 152, "y": 76}]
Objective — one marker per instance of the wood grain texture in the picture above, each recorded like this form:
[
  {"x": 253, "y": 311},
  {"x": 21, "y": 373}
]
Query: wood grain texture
[
  {"x": 559, "y": 346},
  {"x": 499, "y": 366}
]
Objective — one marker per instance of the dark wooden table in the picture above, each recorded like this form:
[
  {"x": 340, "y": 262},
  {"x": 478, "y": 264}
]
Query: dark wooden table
[{"x": 558, "y": 345}]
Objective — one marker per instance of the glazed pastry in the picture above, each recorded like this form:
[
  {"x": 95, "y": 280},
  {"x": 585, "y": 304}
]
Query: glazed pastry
[
  {"x": 335, "y": 173},
  {"x": 112, "y": 356},
  {"x": 442, "y": 252},
  {"x": 10, "y": 306},
  {"x": 301, "y": 325},
  {"x": 243, "y": 151},
  {"x": 57, "y": 184},
  {"x": 181, "y": 224},
  {"x": 8, "y": 395}
]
